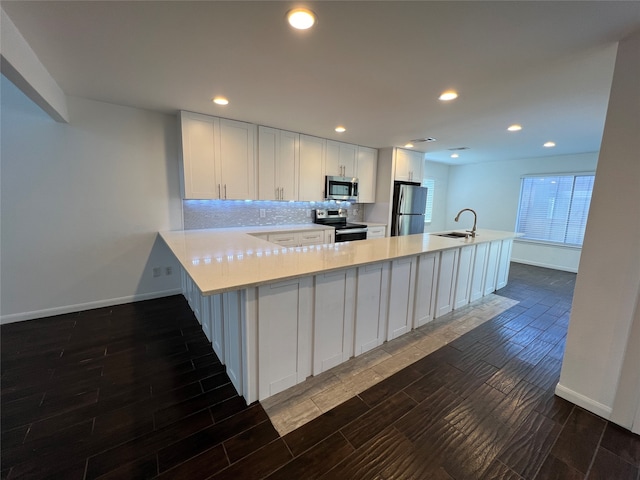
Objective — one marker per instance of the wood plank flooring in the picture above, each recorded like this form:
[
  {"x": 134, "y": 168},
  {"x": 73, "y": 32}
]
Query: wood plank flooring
[{"x": 135, "y": 391}]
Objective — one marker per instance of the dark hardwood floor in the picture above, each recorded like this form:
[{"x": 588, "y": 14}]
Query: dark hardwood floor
[{"x": 135, "y": 391}]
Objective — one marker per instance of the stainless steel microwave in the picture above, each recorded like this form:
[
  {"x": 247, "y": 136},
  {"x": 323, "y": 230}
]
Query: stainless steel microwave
[{"x": 344, "y": 189}]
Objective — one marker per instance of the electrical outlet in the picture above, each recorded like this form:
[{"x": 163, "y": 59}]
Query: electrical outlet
[
  {"x": 263, "y": 213},
  {"x": 168, "y": 270},
  {"x": 157, "y": 271}
]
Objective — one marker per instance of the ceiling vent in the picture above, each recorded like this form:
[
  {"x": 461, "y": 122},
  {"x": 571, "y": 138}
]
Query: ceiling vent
[
  {"x": 422, "y": 140},
  {"x": 455, "y": 149}
]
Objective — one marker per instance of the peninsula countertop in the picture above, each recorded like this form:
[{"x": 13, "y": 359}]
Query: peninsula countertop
[{"x": 222, "y": 260}]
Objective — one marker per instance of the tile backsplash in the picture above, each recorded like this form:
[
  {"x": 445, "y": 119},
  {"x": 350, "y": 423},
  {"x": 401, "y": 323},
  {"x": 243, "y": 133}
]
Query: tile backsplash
[{"x": 244, "y": 213}]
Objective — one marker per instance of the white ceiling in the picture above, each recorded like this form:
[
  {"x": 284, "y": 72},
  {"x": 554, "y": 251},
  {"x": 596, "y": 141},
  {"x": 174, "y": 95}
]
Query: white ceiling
[{"x": 375, "y": 67}]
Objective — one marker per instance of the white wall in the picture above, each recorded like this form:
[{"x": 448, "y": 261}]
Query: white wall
[
  {"x": 493, "y": 191},
  {"x": 605, "y": 303},
  {"x": 81, "y": 204},
  {"x": 440, "y": 173}
]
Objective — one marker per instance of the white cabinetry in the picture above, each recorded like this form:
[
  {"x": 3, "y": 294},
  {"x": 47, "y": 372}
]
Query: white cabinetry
[
  {"x": 301, "y": 238},
  {"x": 218, "y": 158},
  {"x": 329, "y": 236},
  {"x": 491, "y": 271},
  {"x": 409, "y": 165},
  {"x": 464, "y": 276},
  {"x": 426, "y": 283},
  {"x": 341, "y": 159},
  {"x": 278, "y": 164},
  {"x": 446, "y": 281},
  {"x": 233, "y": 313},
  {"x": 376, "y": 232},
  {"x": 402, "y": 284},
  {"x": 312, "y": 154},
  {"x": 479, "y": 267},
  {"x": 504, "y": 264},
  {"x": 333, "y": 319},
  {"x": 285, "y": 310},
  {"x": 371, "y": 306},
  {"x": 366, "y": 173}
]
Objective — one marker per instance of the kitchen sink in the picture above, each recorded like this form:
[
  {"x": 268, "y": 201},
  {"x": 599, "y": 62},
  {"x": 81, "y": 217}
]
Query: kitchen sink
[{"x": 452, "y": 235}]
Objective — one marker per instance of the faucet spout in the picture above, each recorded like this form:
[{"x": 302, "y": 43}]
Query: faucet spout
[{"x": 475, "y": 220}]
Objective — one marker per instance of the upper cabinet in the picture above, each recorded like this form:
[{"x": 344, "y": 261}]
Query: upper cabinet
[
  {"x": 312, "y": 155},
  {"x": 279, "y": 164},
  {"x": 341, "y": 159},
  {"x": 366, "y": 172},
  {"x": 218, "y": 158},
  {"x": 409, "y": 165}
]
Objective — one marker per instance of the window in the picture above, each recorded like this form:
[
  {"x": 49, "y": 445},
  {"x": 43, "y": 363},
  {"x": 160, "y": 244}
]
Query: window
[
  {"x": 430, "y": 183},
  {"x": 554, "y": 208}
]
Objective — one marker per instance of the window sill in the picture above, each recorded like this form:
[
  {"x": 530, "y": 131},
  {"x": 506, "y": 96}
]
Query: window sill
[{"x": 548, "y": 244}]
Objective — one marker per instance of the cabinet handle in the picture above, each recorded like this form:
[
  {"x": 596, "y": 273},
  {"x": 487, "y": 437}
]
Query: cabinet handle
[
  {"x": 225, "y": 191},
  {"x": 277, "y": 193},
  {"x": 282, "y": 193},
  {"x": 219, "y": 196}
]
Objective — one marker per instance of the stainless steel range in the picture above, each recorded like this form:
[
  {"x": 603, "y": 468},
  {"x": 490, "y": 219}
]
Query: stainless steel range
[{"x": 345, "y": 232}]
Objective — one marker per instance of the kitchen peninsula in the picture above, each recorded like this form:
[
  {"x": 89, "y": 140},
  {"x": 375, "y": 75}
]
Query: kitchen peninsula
[{"x": 276, "y": 315}]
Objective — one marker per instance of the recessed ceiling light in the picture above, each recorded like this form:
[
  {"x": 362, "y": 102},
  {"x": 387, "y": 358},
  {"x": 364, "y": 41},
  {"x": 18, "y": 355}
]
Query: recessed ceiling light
[
  {"x": 409, "y": 145},
  {"x": 340, "y": 129},
  {"x": 448, "y": 95},
  {"x": 220, "y": 101},
  {"x": 549, "y": 144},
  {"x": 454, "y": 155},
  {"x": 301, "y": 18},
  {"x": 514, "y": 128}
]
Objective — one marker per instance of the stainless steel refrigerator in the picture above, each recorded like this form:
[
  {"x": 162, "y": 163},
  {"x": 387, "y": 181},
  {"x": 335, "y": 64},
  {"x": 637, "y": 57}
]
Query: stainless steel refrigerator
[{"x": 409, "y": 203}]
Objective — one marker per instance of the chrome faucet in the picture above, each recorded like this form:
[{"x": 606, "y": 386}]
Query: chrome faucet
[{"x": 475, "y": 220}]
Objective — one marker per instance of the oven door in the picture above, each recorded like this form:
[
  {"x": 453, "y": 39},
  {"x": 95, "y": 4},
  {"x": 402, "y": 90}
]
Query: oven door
[
  {"x": 351, "y": 234},
  {"x": 341, "y": 188}
]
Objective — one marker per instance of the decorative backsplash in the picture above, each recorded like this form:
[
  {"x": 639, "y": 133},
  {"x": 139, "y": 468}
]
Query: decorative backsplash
[{"x": 247, "y": 213}]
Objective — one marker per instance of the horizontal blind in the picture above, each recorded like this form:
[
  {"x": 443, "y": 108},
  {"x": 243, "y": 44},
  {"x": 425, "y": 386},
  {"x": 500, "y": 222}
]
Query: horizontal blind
[
  {"x": 554, "y": 208},
  {"x": 430, "y": 183}
]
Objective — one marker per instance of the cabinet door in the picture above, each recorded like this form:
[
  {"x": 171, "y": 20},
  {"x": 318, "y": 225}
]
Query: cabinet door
[
  {"x": 289, "y": 239},
  {"x": 366, "y": 172},
  {"x": 237, "y": 161},
  {"x": 288, "y": 166},
  {"x": 446, "y": 281},
  {"x": 217, "y": 326},
  {"x": 332, "y": 165},
  {"x": 375, "y": 232},
  {"x": 504, "y": 264},
  {"x": 329, "y": 236},
  {"x": 371, "y": 308},
  {"x": 311, "y": 186},
  {"x": 402, "y": 284},
  {"x": 492, "y": 267},
  {"x": 268, "y": 152},
  {"x": 348, "y": 159},
  {"x": 479, "y": 266},
  {"x": 285, "y": 310},
  {"x": 426, "y": 284},
  {"x": 198, "y": 166},
  {"x": 464, "y": 275},
  {"x": 408, "y": 165},
  {"x": 233, "y": 311},
  {"x": 311, "y": 238},
  {"x": 333, "y": 319}
]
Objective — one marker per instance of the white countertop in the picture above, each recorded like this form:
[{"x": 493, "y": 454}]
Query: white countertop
[{"x": 222, "y": 260}]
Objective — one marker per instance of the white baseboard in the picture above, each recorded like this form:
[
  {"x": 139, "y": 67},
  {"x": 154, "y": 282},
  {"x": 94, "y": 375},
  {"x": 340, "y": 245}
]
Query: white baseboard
[
  {"x": 48, "y": 312},
  {"x": 544, "y": 265},
  {"x": 585, "y": 402}
]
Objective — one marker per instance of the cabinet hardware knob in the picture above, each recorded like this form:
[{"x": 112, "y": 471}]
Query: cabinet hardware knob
[{"x": 219, "y": 196}]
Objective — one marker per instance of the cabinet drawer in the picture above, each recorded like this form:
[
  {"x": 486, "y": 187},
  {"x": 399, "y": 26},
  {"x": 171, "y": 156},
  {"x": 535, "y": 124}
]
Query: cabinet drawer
[
  {"x": 312, "y": 238},
  {"x": 375, "y": 232},
  {"x": 284, "y": 239}
]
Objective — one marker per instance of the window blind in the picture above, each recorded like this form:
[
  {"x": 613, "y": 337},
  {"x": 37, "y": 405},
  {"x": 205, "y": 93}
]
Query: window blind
[{"x": 555, "y": 208}]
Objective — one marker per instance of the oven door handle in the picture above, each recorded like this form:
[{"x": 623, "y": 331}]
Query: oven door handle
[{"x": 351, "y": 230}]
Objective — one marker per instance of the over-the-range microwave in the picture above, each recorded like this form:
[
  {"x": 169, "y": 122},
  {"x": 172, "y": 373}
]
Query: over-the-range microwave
[{"x": 344, "y": 189}]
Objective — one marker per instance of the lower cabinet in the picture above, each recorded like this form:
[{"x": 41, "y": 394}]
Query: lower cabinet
[
  {"x": 491, "y": 272},
  {"x": 333, "y": 319},
  {"x": 376, "y": 232},
  {"x": 233, "y": 313},
  {"x": 479, "y": 267},
  {"x": 503, "y": 263},
  {"x": 284, "y": 312},
  {"x": 372, "y": 297},
  {"x": 426, "y": 283},
  {"x": 401, "y": 288},
  {"x": 464, "y": 276},
  {"x": 446, "y": 281},
  {"x": 302, "y": 238}
]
